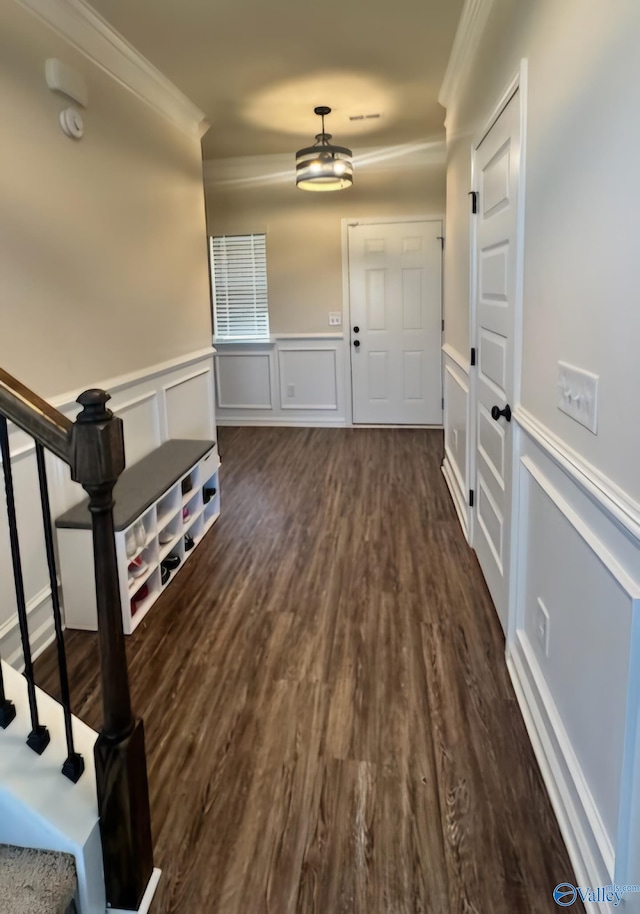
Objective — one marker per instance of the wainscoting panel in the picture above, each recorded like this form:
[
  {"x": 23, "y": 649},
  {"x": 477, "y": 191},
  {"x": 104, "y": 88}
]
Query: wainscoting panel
[
  {"x": 577, "y": 683},
  {"x": 291, "y": 381},
  {"x": 308, "y": 379},
  {"x": 456, "y": 410},
  {"x": 189, "y": 404},
  {"x": 244, "y": 380},
  {"x": 170, "y": 400},
  {"x": 141, "y": 417}
]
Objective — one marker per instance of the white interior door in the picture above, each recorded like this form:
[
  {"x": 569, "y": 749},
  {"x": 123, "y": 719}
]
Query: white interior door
[
  {"x": 497, "y": 167},
  {"x": 395, "y": 279}
]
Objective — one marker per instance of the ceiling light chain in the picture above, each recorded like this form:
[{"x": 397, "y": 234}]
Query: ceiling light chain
[{"x": 324, "y": 166}]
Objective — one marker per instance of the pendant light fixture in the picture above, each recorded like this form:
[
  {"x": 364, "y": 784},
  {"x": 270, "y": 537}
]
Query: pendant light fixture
[{"x": 323, "y": 166}]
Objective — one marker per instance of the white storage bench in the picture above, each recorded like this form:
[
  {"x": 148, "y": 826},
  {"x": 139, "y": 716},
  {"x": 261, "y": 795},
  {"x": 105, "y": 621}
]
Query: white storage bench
[{"x": 164, "y": 505}]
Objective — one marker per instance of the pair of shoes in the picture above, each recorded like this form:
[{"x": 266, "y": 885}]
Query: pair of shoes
[
  {"x": 135, "y": 538},
  {"x": 185, "y": 515},
  {"x": 208, "y": 494},
  {"x": 171, "y": 562},
  {"x": 165, "y": 574},
  {"x": 188, "y": 543},
  {"x": 141, "y": 595},
  {"x": 165, "y": 537},
  {"x": 137, "y": 567},
  {"x": 187, "y": 484}
]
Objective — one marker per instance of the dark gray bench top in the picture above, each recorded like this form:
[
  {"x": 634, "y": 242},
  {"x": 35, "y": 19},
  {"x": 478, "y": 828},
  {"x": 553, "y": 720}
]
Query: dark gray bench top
[{"x": 142, "y": 483}]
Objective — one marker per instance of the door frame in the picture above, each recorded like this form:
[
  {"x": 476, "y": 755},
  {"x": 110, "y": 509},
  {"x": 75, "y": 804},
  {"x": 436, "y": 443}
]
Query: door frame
[
  {"x": 346, "y": 223},
  {"x": 518, "y": 83}
]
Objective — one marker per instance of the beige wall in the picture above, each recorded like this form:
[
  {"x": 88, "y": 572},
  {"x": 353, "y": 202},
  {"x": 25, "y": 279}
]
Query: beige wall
[
  {"x": 103, "y": 266},
  {"x": 581, "y": 267},
  {"x": 304, "y": 252}
]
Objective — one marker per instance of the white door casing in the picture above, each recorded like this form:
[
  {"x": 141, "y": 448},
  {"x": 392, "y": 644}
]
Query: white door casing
[
  {"x": 497, "y": 176},
  {"x": 395, "y": 294}
]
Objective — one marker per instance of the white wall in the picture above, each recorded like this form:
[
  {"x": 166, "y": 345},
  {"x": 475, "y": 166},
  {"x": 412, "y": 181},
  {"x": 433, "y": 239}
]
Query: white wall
[
  {"x": 103, "y": 266},
  {"x": 304, "y": 242},
  {"x": 302, "y": 377},
  {"x": 103, "y": 260},
  {"x": 578, "y": 524},
  {"x": 582, "y": 271}
]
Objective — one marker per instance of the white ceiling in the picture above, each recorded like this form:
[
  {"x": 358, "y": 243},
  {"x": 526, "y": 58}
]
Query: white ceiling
[{"x": 257, "y": 68}]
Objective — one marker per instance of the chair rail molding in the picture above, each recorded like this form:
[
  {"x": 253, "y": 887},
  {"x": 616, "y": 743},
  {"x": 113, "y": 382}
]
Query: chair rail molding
[
  {"x": 169, "y": 399},
  {"x": 460, "y": 360},
  {"x": 609, "y": 496},
  {"x": 93, "y": 36}
]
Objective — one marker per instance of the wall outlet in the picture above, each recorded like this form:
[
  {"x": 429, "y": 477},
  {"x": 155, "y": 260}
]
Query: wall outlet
[
  {"x": 291, "y": 390},
  {"x": 578, "y": 395},
  {"x": 335, "y": 318},
  {"x": 542, "y": 627}
]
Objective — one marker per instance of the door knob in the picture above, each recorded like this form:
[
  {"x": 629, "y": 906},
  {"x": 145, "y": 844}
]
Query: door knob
[
  {"x": 356, "y": 343},
  {"x": 496, "y": 412},
  {"x": 356, "y": 329}
]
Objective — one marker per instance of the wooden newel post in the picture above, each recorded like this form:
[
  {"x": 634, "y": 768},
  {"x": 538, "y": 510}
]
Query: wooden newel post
[{"x": 97, "y": 460}]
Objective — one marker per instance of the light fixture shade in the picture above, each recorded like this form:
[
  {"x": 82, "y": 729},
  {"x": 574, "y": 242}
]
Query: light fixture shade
[{"x": 324, "y": 167}]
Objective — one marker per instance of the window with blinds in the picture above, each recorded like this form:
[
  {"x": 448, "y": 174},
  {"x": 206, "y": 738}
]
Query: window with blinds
[{"x": 239, "y": 277}]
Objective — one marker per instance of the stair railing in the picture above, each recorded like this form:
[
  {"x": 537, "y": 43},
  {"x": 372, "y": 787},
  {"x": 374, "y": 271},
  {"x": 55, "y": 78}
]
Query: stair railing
[{"x": 93, "y": 448}]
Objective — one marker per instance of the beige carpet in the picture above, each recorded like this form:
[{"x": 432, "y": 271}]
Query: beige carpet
[{"x": 36, "y": 882}]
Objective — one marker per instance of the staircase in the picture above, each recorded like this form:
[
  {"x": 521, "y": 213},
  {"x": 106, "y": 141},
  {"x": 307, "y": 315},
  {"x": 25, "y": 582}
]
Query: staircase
[
  {"x": 75, "y": 831},
  {"x": 41, "y": 809}
]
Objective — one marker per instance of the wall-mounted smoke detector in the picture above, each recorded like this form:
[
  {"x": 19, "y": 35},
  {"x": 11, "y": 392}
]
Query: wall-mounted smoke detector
[{"x": 364, "y": 117}]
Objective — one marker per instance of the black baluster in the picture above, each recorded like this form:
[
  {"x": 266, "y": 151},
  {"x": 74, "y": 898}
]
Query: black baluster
[
  {"x": 74, "y": 764},
  {"x": 39, "y": 738},
  {"x": 7, "y": 708}
]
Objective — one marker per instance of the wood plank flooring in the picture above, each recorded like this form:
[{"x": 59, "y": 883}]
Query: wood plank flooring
[{"x": 330, "y": 723}]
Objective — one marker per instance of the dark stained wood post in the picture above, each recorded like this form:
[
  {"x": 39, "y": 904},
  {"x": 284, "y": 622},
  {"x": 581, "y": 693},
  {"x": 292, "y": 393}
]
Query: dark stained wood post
[{"x": 97, "y": 460}]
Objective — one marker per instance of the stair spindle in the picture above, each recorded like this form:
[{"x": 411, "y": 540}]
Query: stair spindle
[
  {"x": 39, "y": 738},
  {"x": 74, "y": 764}
]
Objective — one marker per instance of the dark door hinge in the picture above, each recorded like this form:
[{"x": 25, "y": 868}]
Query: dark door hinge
[
  {"x": 473, "y": 355},
  {"x": 441, "y": 240},
  {"x": 474, "y": 201},
  {"x": 471, "y": 498},
  {"x": 443, "y": 323},
  {"x": 443, "y": 403}
]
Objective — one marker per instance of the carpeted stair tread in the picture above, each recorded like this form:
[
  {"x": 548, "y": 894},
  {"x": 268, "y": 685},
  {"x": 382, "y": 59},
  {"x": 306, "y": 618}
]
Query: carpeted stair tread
[{"x": 36, "y": 882}]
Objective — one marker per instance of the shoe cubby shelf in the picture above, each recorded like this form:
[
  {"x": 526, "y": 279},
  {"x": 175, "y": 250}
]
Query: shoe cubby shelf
[{"x": 164, "y": 505}]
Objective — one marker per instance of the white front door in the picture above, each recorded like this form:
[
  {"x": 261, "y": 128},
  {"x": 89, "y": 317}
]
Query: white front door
[
  {"x": 395, "y": 279},
  {"x": 497, "y": 167}
]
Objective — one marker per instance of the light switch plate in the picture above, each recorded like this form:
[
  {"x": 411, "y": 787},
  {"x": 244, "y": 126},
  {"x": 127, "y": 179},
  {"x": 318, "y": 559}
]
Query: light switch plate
[
  {"x": 335, "y": 318},
  {"x": 578, "y": 395}
]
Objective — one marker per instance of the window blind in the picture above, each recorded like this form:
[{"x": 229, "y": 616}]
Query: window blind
[{"x": 239, "y": 275}]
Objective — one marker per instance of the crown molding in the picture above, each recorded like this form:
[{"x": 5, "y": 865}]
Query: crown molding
[
  {"x": 89, "y": 33},
  {"x": 473, "y": 20}
]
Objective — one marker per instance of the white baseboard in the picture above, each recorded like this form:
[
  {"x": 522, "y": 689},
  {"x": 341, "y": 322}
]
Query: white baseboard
[
  {"x": 281, "y": 423},
  {"x": 456, "y": 496},
  {"x": 562, "y": 776}
]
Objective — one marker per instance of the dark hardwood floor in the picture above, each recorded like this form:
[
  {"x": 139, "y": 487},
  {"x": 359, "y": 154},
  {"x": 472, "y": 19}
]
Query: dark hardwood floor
[{"x": 330, "y": 723}]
